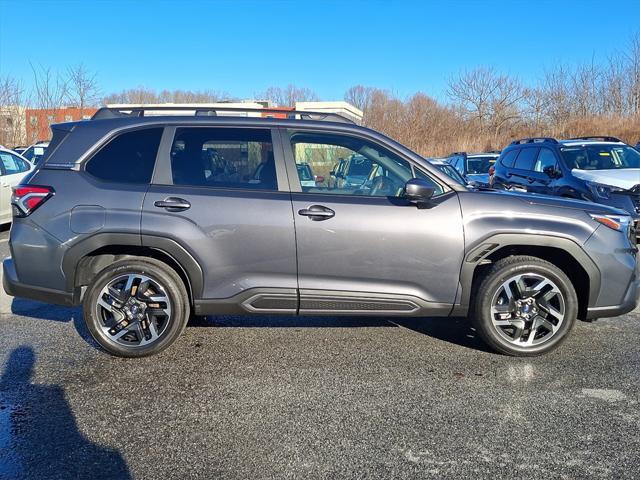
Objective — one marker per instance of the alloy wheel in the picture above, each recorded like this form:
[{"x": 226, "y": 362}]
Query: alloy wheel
[
  {"x": 134, "y": 310},
  {"x": 528, "y": 309}
]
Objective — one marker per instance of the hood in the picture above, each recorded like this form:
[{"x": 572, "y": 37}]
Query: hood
[
  {"x": 625, "y": 178},
  {"x": 561, "y": 202}
]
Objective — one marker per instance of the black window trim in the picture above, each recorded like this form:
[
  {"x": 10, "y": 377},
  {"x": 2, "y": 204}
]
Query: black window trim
[
  {"x": 520, "y": 150},
  {"x": 103, "y": 142},
  {"x": 163, "y": 175},
  {"x": 292, "y": 171}
]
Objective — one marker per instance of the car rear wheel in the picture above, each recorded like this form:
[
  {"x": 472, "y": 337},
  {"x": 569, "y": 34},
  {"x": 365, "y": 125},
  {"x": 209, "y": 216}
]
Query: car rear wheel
[
  {"x": 136, "y": 307},
  {"x": 525, "y": 306}
]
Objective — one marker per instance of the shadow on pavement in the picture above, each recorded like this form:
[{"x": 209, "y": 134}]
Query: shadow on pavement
[
  {"x": 44, "y": 311},
  {"x": 39, "y": 437},
  {"x": 455, "y": 330}
]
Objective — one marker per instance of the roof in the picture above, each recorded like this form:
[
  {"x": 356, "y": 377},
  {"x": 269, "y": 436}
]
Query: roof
[{"x": 572, "y": 142}]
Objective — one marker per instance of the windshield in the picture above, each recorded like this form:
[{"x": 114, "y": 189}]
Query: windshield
[
  {"x": 478, "y": 165},
  {"x": 34, "y": 153},
  {"x": 601, "y": 157},
  {"x": 452, "y": 172}
]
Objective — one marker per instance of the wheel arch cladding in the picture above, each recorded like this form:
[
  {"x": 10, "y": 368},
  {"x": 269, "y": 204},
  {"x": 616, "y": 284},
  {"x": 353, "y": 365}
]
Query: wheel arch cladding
[
  {"x": 562, "y": 252},
  {"x": 86, "y": 259}
]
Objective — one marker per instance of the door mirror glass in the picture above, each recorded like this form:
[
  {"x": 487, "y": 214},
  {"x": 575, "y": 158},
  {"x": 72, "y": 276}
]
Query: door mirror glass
[
  {"x": 418, "y": 191},
  {"x": 552, "y": 172}
]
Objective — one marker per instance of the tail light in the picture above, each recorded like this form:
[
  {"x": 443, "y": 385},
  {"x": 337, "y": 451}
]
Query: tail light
[{"x": 27, "y": 198}]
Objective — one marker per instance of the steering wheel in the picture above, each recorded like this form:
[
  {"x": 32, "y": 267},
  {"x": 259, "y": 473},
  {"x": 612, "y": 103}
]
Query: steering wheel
[{"x": 383, "y": 186}]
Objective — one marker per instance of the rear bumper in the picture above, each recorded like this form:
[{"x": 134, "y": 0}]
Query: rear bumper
[{"x": 14, "y": 288}]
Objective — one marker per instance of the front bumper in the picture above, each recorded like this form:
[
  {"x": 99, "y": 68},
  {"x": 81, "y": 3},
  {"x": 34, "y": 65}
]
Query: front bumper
[
  {"x": 629, "y": 303},
  {"x": 14, "y": 288}
]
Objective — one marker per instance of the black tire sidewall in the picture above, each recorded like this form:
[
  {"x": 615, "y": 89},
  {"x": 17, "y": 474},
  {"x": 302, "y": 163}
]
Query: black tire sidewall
[
  {"x": 488, "y": 287},
  {"x": 173, "y": 287}
]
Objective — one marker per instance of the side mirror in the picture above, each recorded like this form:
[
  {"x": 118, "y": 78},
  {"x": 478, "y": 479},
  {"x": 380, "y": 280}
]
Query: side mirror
[
  {"x": 552, "y": 172},
  {"x": 418, "y": 191}
]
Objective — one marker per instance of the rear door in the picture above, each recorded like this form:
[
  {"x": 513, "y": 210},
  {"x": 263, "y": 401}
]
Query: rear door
[
  {"x": 221, "y": 193},
  {"x": 370, "y": 249},
  {"x": 521, "y": 173}
]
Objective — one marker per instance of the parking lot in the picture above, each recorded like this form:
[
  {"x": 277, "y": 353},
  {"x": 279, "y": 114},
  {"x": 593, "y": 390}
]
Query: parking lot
[{"x": 275, "y": 397}]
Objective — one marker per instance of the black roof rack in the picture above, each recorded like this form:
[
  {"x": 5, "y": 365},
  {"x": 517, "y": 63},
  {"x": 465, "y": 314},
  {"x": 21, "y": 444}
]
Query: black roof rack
[
  {"x": 139, "y": 111},
  {"x": 604, "y": 138},
  {"x": 534, "y": 140}
]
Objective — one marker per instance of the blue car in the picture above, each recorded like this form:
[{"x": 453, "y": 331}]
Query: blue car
[{"x": 598, "y": 169}]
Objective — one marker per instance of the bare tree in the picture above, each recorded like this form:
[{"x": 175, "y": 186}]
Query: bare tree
[
  {"x": 12, "y": 100},
  {"x": 50, "y": 89},
  {"x": 82, "y": 87},
  {"x": 289, "y": 95},
  {"x": 491, "y": 99},
  {"x": 360, "y": 96}
]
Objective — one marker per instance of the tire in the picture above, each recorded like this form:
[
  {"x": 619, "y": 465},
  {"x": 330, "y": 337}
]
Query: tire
[
  {"x": 538, "y": 315},
  {"x": 155, "y": 298}
]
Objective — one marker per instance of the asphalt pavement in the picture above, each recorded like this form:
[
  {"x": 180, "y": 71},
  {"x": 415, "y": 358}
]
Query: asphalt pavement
[{"x": 306, "y": 398}]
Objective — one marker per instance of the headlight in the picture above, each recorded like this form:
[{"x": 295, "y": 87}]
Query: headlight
[
  {"x": 602, "y": 191},
  {"x": 621, "y": 223}
]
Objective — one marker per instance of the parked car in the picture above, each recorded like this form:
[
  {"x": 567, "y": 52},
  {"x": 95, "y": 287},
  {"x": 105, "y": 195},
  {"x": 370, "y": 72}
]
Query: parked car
[
  {"x": 337, "y": 173},
  {"x": 307, "y": 178},
  {"x": 13, "y": 168},
  {"x": 474, "y": 167},
  {"x": 20, "y": 149},
  {"x": 123, "y": 218},
  {"x": 444, "y": 166},
  {"x": 36, "y": 152},
  {"x": 598, "y": 169},
  {"x": 354, "y": 173}
]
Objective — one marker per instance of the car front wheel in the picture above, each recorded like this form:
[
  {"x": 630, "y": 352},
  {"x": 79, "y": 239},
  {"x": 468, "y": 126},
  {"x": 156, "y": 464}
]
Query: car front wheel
[{"x": 525, "y": 306}]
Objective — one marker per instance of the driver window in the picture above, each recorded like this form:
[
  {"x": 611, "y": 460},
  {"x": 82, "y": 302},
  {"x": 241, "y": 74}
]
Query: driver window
[{"x": 366, "y": 168}]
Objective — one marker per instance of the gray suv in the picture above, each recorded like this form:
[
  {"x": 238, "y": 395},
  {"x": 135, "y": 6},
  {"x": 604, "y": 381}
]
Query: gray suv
[{"x": 146, "y": 220}]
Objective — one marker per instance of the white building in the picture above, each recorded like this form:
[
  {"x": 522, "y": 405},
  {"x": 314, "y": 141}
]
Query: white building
[{"x": 340, "y": 107}]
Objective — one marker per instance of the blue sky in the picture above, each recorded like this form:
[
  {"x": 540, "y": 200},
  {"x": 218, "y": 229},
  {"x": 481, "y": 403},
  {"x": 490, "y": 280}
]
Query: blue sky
[{"x": 242, "y": 47}]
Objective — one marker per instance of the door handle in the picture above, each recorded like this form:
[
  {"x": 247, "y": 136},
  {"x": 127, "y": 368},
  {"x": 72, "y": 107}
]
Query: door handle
[
  {"x": 317, "y": 213},
  {"x": 173, "y": 204},
  {"x": 531, "y": 179}
]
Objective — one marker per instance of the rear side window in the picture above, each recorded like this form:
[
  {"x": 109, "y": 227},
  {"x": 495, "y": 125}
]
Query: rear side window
[
  {"x": 526, "y": 157},
  {"x": 509, "y": 158},
  {"x": 128, "y": 158},
  {"x": 224, "y": 158},
  {"x": 12, "y": 164}
]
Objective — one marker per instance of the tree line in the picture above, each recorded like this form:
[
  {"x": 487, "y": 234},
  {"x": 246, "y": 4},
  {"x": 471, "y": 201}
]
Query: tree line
[{"x": 483, "y": 108}]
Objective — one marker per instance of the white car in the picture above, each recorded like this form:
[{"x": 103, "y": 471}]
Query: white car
[{"x": 13, "y": 168}]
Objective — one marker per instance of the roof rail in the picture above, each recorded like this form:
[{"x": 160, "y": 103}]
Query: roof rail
[
  {"x": 139, "y": 111},
  {"x": 534, "y": 140},
  {"x": 604, "y": 138}
]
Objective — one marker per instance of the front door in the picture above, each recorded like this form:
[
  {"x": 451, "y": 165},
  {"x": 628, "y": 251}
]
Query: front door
[
  {"x": 364, "y": 248},
  {"x": 221, "y": 193}
]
